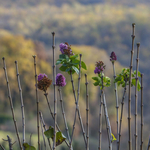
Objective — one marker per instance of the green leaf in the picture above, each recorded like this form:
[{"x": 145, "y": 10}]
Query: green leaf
[
  {"x": 59, "y": 138},
  {"x": 63, "y": 56},
  {"x": 28, "y": 147},
  {"x": 139, "y": 73},
  {"x": 73, "y": 56},
  {"x": 83, "y": 65},
  {"x": 63, "y": 68},
  {"x": 58, "y": 62},
  {"x": 96, "y": 78},
  {"x": 96, "y": 83},
  {"x": 139, "y": 85},
  {"x": 113, "y": 138},
  {"x": 68, "y": 69},
  {"x": 134, "y": 81},
  {"x": 75, "y": 69},
  {"x": 49, "y": 133}
]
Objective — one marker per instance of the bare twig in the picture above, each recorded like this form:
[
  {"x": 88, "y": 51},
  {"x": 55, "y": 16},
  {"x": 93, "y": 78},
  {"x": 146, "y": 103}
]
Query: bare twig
[
  {"x": 117, "y": 106},
  {"x": 53, "y": 115},
  {"x": 137, "y": 64},
  {"x": 54, "y": 84},
  {"x": 37, "y": 102},
  {"x": 100, "y": 120},
  {"x": 141, "y": 144},
  {"x": 30, "y": 139},
  {"x": 148, "y": 146},
  {"x": 87, "y": 114},
  {"x": 10, "y": 142},
  {"x": 2, "y": 147},
  {"x": 129, "y": 97},
  {"x": 63, "y": 113},
  {"x": 77, "y": 105},
  {"x": 122, "y": 104},
  {"x": 44, "y": 126},
  {"x": 21, "y": 100},
  {"x": 107, "y": 118},
  {"x": 42, "y": 132},
  {"x": 11, "y": 103}
]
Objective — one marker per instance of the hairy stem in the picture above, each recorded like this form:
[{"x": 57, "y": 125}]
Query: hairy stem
[
  {"x": 42, "y": 131},
  {"x": 2, "y": 147},
  {"x": 54, "y": 84},
  {"x": 142, "y": 123},
  {"x": 87, "y": 114},
  {"x": 37, "y": 103},
  {"x": 117, "y": 106},
  {"x": 148, "y": 146},
  {"x": 100, "y": 121},
  {"x": 53, "y": 116},
  {"x": 137, "y": 64},
  {"x": 44, "y": 126},
  {"x": 21, "y": 100},
  {"x": 77, "y": 105},
  {"x": 107, "y": 118},
  {"x": 11, "y": 103},
  {"x": 122, "y": 104},
  {"x": 129, "y": 97},
  {"x": 63, "y": 113}
]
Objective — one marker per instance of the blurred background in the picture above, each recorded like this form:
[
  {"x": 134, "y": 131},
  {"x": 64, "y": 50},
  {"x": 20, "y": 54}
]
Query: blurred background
[{"x": 94, "y": 28}]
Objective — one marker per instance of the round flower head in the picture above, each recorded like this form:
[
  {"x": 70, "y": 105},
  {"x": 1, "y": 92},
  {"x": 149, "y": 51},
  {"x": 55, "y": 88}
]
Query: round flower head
[
  {"x": 113, "y": 57},
  {"x": 65, "y": 48},
  {"x": 40, "y": 76},
  {"x": 99, "y": 67},
  {"x": 43, "y": 82},
  {"x": 60, "y": 80}
]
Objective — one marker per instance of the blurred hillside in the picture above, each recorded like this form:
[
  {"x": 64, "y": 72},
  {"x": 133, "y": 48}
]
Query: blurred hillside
[{"x": 93, "y": 28}]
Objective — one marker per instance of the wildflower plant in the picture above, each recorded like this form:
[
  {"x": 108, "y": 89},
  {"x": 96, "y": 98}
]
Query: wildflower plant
[
  {"x": 99, "y": 68},
  {"x": 124, "y": 76},
  {"x": 69, "y": 60}
]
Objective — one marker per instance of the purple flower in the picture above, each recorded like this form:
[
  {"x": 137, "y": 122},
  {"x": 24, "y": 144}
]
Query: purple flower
[
  {"x": 99, "y": 67},
  {"x": 113, "y": 57},
  {"x": 63, "y": 47},
  {"x": 60, "y": 80},
  {"x": 97, "y": 70},
  {"x": 40, "y": 76}
]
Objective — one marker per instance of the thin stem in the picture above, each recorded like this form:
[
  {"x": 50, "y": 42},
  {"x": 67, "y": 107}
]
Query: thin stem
[
  {"x": 21, "y": 100},
  {"x": 107, "y": 118},
  {"x": 37, "y": 103},
  {"x": 141, "y": 145},
  {"x": 2, "y": 147},
  {"x": 54, "y": 84},
  {"x": 87, "y": 114},
  {"x": 79, "y": 115},
  {"x": 53, "y": 115},
  {"x": 42, "y": 132},
  {"x": 122, "y": 104},
  {"x": 148, "y": 146},
  {"x": 44, "y": 126},
  {"x": 77, "y": 105},
  {"x": 30, "y": 139},
  {"x": 100, "y": 120},
  {"x": 129, "y": 97},
  {"x": 63, "y": 112},
  {"x": 11, "y": 103},
  {"x": 9, "y": 142},
  {"x": 137, "y": 64},
  {"x": 117, "y": 106}
]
